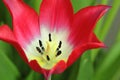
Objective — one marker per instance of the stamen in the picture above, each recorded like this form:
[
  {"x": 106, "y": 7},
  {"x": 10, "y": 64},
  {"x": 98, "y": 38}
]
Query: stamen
[
  {"x": 48, "y": 58},
  {"x": 57, "y": 49},
  {"x": 50, "y": 37},
  {"x": 43, "y": 48},
  {"x": 60, "y": 43},
  {"x": 58, "y": 53},
  {"x": 40, "y": 43},
  {"x": 59, "y": 46},
  {"x": 38, "y": 49}
]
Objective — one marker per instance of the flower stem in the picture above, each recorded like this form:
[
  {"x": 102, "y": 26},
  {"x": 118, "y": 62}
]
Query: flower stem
[{"x": 49, "y": 77}]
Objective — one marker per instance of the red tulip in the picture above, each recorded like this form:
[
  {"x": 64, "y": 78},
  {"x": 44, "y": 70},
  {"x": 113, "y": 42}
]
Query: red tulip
[{"x": 53, "y": 40}]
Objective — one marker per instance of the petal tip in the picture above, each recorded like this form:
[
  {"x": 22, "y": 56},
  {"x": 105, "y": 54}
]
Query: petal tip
[{"x": 106, "y": 7}]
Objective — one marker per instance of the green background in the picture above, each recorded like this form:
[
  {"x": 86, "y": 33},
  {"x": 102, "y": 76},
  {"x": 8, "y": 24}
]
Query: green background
[{"x": 98, "y": 64}]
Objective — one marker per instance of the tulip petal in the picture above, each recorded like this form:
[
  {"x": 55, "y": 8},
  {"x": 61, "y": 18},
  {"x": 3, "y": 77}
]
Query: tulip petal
[
  {"x": 56, "y": 14},
  {"x": 85, "y": 21},
  {"x": 25, "y": 20},
  {"x": 21, "y": 52},
  {"x": 58, "y": 68},
  {"x": 78, "y": 51},
  {"x": 6, "y": 34}
]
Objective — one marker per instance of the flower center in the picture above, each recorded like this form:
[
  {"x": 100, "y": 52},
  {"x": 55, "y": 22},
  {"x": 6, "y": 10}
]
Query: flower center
[
  {"x": 45, "y": 51},
  {"x": 49, "y": 48}
]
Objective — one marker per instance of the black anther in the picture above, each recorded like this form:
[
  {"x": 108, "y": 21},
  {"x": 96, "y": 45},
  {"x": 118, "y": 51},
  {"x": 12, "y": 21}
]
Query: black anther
[
  {"x": 58, "y": 53},
  {"x": 50, "y": 39},
  {"x": 59, "y": 46},
  {"x": 43, "y": 48},
  {"x": 57, "y": 49},
  {"x": 39, "y": 50},
  {"x": 40, "y": 43},
  {"x": 60, "y": 43},
  {"x": 48, "y": 58}
]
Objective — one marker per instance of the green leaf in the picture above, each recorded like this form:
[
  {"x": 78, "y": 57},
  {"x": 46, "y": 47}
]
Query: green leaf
[
  {"x": 104, "y": 25},
  {"x": 74, "y": 70},
  {"x": 109, "y": 65},
  {"x": 86, "y": 67},
  {"x": 34, "y": 76},
  {"x": 64, "y": 75},
  {"x": 1, "y": 10},
  {"x": 8, "y": 71},
  {"x": 118, "y": 36},
  {"x": 30, "y": 76},
  {"x": 34, "y": 4},
  {"x": 116, "y": 75},
  {"x": 6, "y": 49},
  {"x": 78, "y": 4},
  {"x": 104, "y": 1},
  {"x": 100, "y": 22},
  {"x": 110, "y": 17},
  {"x": 12, "y": 54},
  {"x": 4, "y": 14}
]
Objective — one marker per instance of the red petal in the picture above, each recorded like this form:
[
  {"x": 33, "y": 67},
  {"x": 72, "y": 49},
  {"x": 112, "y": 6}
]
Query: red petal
[
  {"x": 78, "y": 51},
  {"x": 85, "y": 21},
  {"x": 35, "y": 66},
  {"x": 56, "y": 13},
  {"x": 6, "y": 34},
  {"x": 60, "y": 67},
  {"x": 25, "y": 20},
  {"x": 21, "y": 52},
  {"x": 94, "y": 38}
]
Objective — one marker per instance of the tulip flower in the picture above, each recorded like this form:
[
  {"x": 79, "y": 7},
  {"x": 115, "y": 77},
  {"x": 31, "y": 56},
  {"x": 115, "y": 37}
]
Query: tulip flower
[{"x": 53, "y": 40}]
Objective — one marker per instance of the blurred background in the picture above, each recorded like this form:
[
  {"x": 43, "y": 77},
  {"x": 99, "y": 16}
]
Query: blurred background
[{"x": 98, "y": 64}]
